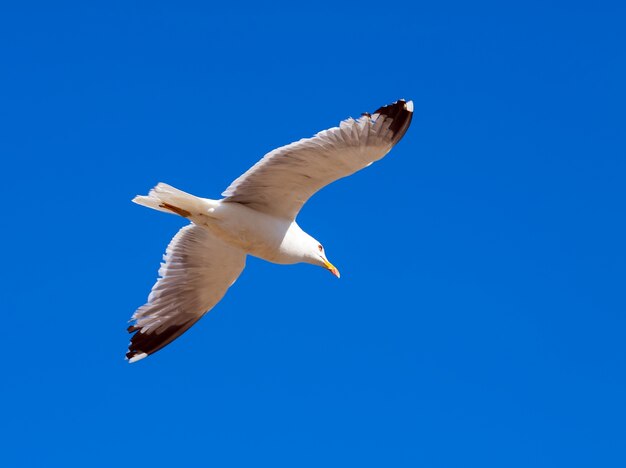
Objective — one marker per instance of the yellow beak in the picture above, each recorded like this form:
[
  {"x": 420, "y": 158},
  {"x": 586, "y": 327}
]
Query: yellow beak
[{"x": 330, "y": 267}]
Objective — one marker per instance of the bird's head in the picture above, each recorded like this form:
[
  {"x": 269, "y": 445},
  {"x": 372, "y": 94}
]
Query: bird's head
[{"x": 318, "y": 257}]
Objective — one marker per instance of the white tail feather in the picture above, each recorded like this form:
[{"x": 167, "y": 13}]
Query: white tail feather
[{"x": 163, "y": 196}]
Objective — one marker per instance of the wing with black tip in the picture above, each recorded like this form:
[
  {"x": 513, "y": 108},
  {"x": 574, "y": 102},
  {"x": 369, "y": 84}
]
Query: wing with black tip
[
  {"x": 281, "y": 182},
  {"x": 197, "y": 271}
]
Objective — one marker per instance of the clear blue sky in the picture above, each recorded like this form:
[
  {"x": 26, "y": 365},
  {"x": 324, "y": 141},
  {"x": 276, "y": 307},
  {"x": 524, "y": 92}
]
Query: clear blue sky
[{"x": 480, "y": 317}]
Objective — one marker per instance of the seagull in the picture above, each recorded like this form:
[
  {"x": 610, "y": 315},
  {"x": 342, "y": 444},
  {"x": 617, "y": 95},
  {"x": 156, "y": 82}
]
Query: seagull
[{"x": 256, "y": 216}]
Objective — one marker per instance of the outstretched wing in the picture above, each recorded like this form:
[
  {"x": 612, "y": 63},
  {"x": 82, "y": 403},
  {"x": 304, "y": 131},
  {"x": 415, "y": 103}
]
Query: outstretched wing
[
  {"x": 197, "y": 271},
  {"x": 281, "y": 182}
]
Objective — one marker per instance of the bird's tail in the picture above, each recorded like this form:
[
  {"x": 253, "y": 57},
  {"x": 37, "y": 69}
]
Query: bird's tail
[{"x": 168, "y": 199}]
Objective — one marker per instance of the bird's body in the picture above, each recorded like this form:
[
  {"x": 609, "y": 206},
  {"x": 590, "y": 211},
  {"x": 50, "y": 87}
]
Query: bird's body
[
  {"x": 271, "y": 238},
  {"x": 257, "y": 217}
]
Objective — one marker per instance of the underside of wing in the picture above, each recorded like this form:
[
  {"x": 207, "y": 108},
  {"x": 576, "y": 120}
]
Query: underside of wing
[
  {"x": 197, "y": 271},
  {"x": 281, "y": 182}
]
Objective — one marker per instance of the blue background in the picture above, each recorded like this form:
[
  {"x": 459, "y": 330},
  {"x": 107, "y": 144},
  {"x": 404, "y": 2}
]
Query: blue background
[{"x": 479, "y": 320}]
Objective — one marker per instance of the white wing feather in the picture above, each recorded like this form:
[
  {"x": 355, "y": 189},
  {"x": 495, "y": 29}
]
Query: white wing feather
[
  {"x": 284, "y": 179},
  {"x": 197, "y": 271}
]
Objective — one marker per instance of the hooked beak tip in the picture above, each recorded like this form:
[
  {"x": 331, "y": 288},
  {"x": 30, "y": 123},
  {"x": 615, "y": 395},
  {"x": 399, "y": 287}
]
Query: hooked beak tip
[{"x": 330, "y": 267}]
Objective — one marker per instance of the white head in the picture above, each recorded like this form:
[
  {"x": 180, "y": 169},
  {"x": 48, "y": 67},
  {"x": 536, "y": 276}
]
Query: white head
[
  {"x": 298, "y": 246},
  {"x": 315, "y": 254}
]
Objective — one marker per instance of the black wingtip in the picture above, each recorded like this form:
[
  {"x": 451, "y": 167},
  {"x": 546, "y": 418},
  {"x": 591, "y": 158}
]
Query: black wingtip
[
  {"x": 400, "y": 113},
  {"x": 145, "y": 344}
]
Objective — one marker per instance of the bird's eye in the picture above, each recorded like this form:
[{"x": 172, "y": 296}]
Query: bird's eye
[{"x": 320, "y": 247}]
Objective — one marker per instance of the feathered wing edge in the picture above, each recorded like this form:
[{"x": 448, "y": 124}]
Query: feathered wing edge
[
  {"x": 279, "y": 184},
  {"x": 400, "y": 113},
  {"x": 197, "y": 271}
]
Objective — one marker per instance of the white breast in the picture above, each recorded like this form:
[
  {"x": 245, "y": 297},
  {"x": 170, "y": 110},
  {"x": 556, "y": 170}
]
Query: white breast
[{"x": 268, "y": 237}]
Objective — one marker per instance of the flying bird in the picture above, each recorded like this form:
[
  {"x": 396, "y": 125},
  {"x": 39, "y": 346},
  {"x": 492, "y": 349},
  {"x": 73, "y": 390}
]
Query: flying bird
[{"x": 257, "y": 216}]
